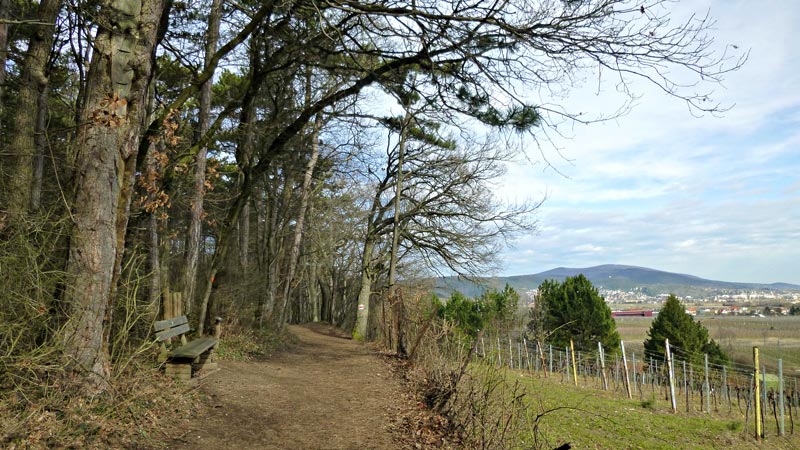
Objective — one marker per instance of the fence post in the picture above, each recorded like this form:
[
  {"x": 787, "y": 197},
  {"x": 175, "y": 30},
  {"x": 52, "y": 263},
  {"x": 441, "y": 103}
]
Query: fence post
[
  {"x": 550, "y": 367},
  {"x": 574, "y": 367},
  {"x": 757, "y": 409},
  {"x": 499, "y": 354},
  {"x": 764, "y": 403},
  {"x": 602, "y": 365},
  {"x": 686, "y": 385},
  {"x": 510, "y": 354},
  {"x": 625, "y": 367},
  {"x": 725, "y": 386},
  {"x": 671, "y": 377},
  {"x": 706, "y": 386},
  {"x": 567, "y": 368},
  {"x": 633, "y": 363},
  {"x": 780, "y": 396}
]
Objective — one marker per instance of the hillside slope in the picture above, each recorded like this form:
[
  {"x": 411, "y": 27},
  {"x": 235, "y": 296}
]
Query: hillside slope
[{"x": 611, "y": 277}]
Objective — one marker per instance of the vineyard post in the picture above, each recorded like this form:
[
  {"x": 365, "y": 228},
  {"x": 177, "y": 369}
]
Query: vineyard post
[
  {"x": 519, "y": 356},
  {"x": 780, "y": 396},
  {"x": 625, "y": 367},
  {"x": 602, "y": 365},
  {"x": 706, "y": 386},
  {"x": 550, "y": 366},
  {"x": 764, "y": 404},
  {"x": 757, "y": 409},
  {"x": 686, "y": 386},
  {"x": 567, "y": 368},
  {"x": 671, "y": 377},
  {"x": 574, "y": 366},
  {"x": 725, "y": 386},
  {"x": 633, "y": 363}
]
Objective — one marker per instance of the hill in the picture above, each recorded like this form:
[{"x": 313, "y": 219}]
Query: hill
[{"x": 612, "y": 277}]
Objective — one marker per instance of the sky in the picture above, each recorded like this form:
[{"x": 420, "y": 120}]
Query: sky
[{"x": 715, "y": 197}]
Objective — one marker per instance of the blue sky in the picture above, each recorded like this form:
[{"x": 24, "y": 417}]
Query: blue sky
[{"x": 715, "y": 197}]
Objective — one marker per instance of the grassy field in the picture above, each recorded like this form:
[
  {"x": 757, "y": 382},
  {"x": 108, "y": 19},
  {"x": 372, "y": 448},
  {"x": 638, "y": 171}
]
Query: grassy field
[
  {"x": 776, "y": 337},
  {"x": 592, "y": 419}
]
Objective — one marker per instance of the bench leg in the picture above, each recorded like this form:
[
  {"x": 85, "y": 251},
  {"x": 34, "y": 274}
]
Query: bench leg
[
  {"x": 180, "y": 371},
  {"x": 206, "y": 362}
]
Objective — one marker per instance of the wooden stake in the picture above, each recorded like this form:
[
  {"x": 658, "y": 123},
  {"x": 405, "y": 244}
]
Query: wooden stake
[
  {"x": 574, "y": 367},
  {"x": 602, "y": 365},
  {"x": 706, "y": 386},
  {"x": 757, "y": 409},
  {"x": 625, "y": 367},
  {"x": 671, "y": 377},
  {"x": 781, "y": 404}
]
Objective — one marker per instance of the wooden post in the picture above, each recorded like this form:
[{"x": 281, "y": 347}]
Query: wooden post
[
  {"x": 725, "y": 386},
  {"x": 671, "y": 377},
  {"x": 757, "y": 409},
  {"x": 781, "y": 405},
  {"x": 686, "y": 386},
  {"x": 499, "y": 350},
  {"x": 574, "y": 368},
  {"x": 567, "y": 368},
  {"x": 602, "y": 365},
  {"x": 633, "y": 361},
  {"x": 625, "y": 367},
  {"x": 706, "y": 386},
  {"x": 764, "y": 403}
]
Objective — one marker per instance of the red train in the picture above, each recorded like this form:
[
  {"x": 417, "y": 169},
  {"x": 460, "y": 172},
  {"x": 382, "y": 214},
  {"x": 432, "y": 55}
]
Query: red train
[{"x": 633, "y": 312}]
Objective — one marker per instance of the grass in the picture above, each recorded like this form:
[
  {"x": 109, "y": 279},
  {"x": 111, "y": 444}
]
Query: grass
[{"x": 589, "y": 418}]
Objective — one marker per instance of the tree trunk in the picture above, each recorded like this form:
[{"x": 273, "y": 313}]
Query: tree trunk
[
  {"x": 41, "y": 149},
  {"x": 305, "y": 194},
  {"x": 4, "y": 15},
  {"x": 107, "y": 144},
  {"x": 198, "y": 189},
  {"x": 362, "y": 314},
  {"x": 33, "y": 83},
  {"x": 395, "y": 300}
]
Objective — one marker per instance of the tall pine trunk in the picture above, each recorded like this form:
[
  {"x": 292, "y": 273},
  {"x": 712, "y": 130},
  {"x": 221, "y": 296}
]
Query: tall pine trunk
[
  {"x": 198, "y": 188},
  {"x": 107, "y": 144},
  {"x": 305, "y": 194}
]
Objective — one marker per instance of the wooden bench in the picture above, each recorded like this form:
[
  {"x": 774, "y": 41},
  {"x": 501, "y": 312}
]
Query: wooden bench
[{"x": 197, "y": 354}]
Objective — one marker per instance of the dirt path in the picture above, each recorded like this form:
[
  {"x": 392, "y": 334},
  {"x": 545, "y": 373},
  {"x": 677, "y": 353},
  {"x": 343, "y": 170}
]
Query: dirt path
[{"x": 326, "y": 393}]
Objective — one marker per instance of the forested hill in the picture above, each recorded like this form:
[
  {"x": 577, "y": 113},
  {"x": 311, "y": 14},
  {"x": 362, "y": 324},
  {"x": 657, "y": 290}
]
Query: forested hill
[{"x": 611, "y": 277}]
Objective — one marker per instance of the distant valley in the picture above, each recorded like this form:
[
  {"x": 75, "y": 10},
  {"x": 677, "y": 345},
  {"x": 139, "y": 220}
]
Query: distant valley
[{"x": 626, "y": 283}]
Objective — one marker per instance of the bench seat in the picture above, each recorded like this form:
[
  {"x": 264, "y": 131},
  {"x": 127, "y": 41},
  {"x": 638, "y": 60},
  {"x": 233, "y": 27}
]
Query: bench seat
[{"x": 193, "y": 349}]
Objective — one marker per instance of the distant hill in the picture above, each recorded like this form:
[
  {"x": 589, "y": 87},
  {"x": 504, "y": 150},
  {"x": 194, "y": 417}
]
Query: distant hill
[{"x": 610, "y": 277}]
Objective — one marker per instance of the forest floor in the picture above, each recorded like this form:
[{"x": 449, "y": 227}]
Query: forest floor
[{"x": 326, "y": 392}]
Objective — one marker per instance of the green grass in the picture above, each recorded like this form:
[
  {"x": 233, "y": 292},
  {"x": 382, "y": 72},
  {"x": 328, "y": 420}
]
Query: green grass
[{"x": 594, "y": 419}]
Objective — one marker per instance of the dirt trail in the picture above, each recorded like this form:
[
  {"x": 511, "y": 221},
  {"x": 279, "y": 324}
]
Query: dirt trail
[{"x": 326, "y": 393}]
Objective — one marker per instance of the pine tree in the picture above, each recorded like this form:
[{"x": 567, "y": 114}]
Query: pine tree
[
  {"x": 690, "y": 337},
  {"x": 575, "y": 310}
]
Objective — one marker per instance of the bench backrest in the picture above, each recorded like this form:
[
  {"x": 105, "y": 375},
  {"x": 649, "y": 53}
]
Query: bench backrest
[{"x": 176, "y": 326}]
